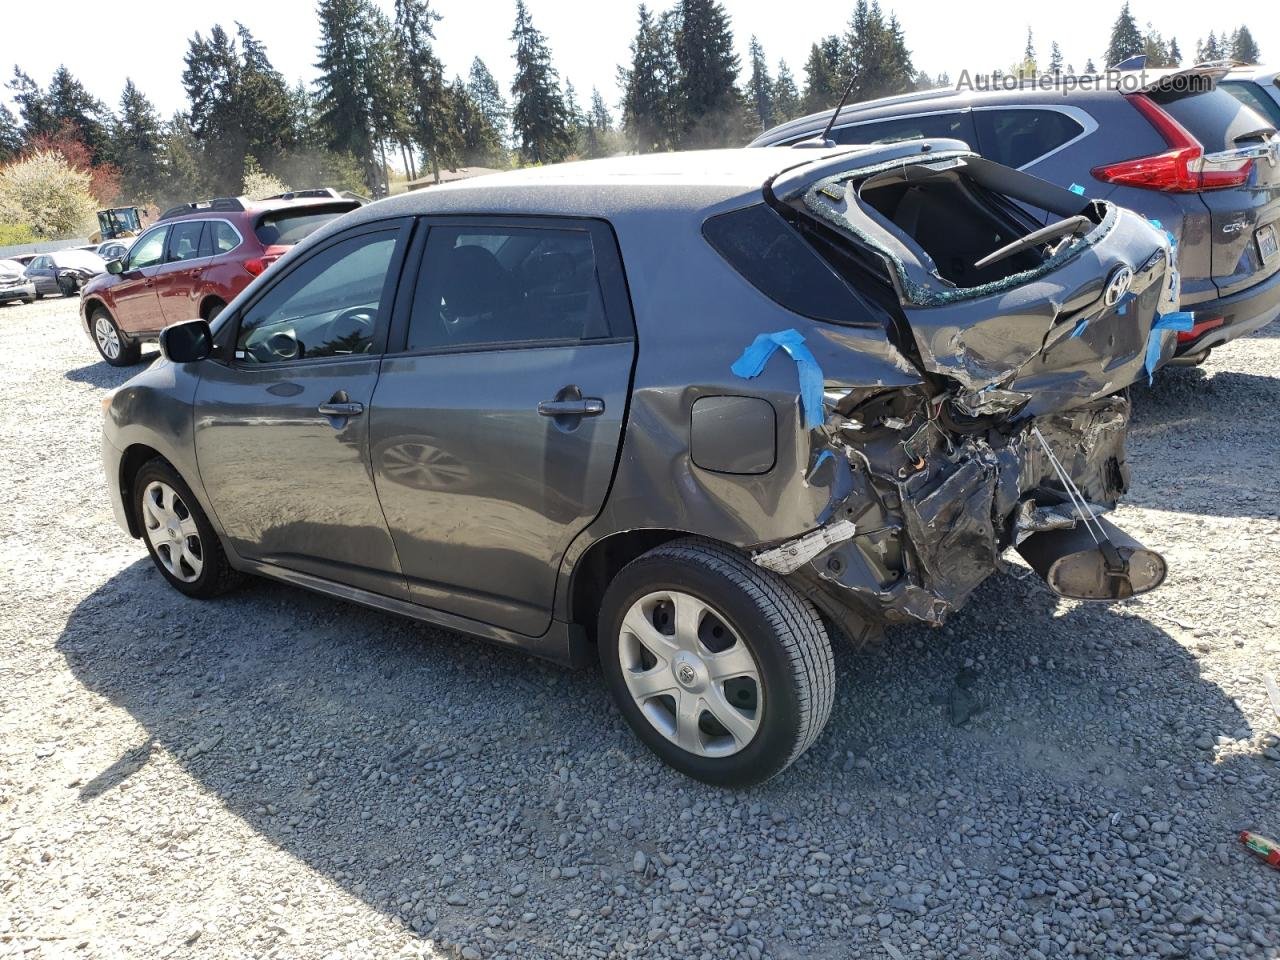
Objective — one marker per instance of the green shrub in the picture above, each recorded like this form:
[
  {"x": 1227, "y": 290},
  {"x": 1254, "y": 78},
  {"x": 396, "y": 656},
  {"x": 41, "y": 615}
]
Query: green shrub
[{"x": 12, "y": 234}]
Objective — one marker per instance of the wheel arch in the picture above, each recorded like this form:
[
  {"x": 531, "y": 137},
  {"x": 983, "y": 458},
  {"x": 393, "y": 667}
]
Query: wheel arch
[
  {"x": 208, "y": 302},
  {"x": 599, "y": 564},
  {"x": 135, "y": 456}
]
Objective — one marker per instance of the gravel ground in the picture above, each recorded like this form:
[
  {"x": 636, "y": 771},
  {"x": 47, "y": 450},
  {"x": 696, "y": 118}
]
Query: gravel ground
[{"x": 275, "y": 774}]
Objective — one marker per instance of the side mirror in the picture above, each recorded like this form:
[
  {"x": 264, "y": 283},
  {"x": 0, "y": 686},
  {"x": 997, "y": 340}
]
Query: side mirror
[
  {"x": 115, "y": 266},
  {"x": 186, "y": 342}
]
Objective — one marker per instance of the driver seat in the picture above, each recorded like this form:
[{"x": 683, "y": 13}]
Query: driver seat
[{"x": 473, "y": 283}]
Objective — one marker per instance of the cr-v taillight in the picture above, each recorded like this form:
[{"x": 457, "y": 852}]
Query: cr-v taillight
[
  {"x": 255, "y": 265},
  {"x": 1184, "y": 168}
]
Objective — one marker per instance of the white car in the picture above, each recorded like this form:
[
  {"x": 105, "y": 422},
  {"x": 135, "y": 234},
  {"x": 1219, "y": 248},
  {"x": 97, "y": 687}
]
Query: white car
[{"x": 1256, "y": 87}]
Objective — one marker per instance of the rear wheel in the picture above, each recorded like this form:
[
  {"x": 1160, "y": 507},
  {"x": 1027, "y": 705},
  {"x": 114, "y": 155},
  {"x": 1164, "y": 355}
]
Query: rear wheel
[
  {"x": 181, "y": 541},
  {"x": 111, "y": 343},
  {"x": 212, "y": 307},
  {"x": 720, "y": 667}
]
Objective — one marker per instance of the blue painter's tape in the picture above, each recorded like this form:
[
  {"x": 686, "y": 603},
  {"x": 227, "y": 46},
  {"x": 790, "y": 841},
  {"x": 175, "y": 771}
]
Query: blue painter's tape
[
  {"x": 754, "y": 358},
  {"x": 1183, "y": 321},
  {"x": 1076, "y": 189}
]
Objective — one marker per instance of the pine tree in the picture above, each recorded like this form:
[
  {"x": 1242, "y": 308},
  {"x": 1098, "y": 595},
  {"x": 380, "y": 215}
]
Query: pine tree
[
  {"x": 10, "y": 135},
  {"x": 138, "y": 147},
  {"x": 1154, "y": 48},
  {"x": 822, "y": 75},
  {"x": 1126, "y": 39},
  {"x": 1243, "y": 47},
  {"x": 760, "y": 87},
  {"x": 1174, "y": 55},
  {"x": 33, "y": 107},
  {"x": 1089, "y": 68},
  {"x": 487, "y": 97},
  {"x": 344, "y": 111},
  {"x": 1208, "y": 49},
  {"x": 876, "y": 58},
  {"x": 538, "y": 117},
  {"x": 74, "y": 109},
  {"x": 574, "y": 118},
  {"x": 431, "y": 109},
  {"x": 1029, "y": 64},
  {"x": 1055, "y": 58},
  {"x": 786, "y": 98},
  {"x": 708, "y": 104},
  {"x": 649, "y": 85},
  {"x": 599, "y": 128}
]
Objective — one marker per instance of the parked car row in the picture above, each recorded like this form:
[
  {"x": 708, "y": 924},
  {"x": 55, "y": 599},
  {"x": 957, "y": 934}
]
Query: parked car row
[
  {"x": 1194, "y": 151},
  {"x": 192, "y": 262}
]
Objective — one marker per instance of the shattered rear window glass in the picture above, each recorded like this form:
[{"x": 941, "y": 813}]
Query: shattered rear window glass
[{"x": 769, "y": 254}]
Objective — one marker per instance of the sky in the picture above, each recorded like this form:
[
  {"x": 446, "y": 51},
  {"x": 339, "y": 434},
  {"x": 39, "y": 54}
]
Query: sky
[{"x": 145, "y": 39}]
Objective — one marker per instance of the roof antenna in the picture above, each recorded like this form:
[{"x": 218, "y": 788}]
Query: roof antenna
[{"x": 824, "y": 141}]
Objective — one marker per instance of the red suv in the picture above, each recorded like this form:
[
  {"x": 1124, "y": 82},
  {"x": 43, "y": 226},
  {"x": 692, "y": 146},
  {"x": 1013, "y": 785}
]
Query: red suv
[{"x": 192, "y": 262}]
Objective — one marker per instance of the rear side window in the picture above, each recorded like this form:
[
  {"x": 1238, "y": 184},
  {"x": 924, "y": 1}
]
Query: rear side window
[
  {"x": 184, "y": 240},
  {"x": 1016, "y": 137},
  {"x": 775, "y": 260},
  {"x": 501, "y": 285},
  {"x": 1214, "y": 117},
  {"x": 225, "y": 238},
  {"x": 953, "y": 125},
  {"x": 289, "y": 226},
  {"x": 1255, "y": 98}
]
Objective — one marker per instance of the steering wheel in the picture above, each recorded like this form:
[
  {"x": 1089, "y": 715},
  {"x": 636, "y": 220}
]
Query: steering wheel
[{"x": 355, "y": 320}]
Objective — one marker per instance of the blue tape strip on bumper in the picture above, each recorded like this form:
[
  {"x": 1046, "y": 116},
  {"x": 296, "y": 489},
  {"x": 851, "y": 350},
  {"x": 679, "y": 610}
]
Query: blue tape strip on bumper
[
  {"x": 753, "y": 360},
  {"x": 1182, "y": 320}
]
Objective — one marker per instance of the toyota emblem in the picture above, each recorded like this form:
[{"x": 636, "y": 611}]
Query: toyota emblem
[{"x": 1117, "y": 286}]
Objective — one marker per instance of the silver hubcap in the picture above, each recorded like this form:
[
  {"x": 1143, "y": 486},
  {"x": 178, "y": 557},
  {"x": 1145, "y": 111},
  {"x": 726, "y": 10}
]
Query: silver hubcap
[
  {"x": 108, "y": 339},
  {"x": 172, "y": 531},
  {"x": 692, "y": 677}
]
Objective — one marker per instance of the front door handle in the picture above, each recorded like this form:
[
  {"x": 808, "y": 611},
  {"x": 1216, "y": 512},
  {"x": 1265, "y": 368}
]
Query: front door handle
[
  {"x": 586, "y": 407},
  {"x": 340, "y": 409}
]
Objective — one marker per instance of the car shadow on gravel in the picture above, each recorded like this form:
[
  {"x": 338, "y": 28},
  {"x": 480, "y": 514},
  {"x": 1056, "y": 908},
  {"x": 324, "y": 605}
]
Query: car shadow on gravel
[
  {"x": 102, "y": 374},
  {"x": 445, "y": 781},
  {"x": 1206, "y": 443}
]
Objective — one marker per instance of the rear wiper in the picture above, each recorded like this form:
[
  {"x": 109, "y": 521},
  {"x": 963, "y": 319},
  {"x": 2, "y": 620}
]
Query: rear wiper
[{"x": 1072, "y": 225}]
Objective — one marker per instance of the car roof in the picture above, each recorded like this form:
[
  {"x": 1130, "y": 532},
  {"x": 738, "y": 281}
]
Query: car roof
[
  {"x": 694, "y": 179},
  {"x": 1256, "y": 72}
]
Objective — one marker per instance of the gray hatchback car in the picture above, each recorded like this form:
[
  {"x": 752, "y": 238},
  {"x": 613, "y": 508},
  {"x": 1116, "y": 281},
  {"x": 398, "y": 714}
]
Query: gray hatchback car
[{"x": 698, "y": 411}]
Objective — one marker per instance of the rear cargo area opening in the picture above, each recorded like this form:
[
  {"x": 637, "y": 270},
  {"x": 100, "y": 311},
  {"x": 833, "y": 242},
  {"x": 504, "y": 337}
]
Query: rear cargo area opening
[{"x": 954, "y": 223}]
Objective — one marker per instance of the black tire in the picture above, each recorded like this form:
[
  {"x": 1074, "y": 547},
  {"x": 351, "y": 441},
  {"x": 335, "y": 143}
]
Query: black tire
[
  {"x": 130, "y": 350},
  {"x": 781, "y": 629},
  {"x": 217, "y": 575},
  {"x": 67, "y": 288},
  {"x": 212, "y": 307},
  {"x": 39, "y": 295}
]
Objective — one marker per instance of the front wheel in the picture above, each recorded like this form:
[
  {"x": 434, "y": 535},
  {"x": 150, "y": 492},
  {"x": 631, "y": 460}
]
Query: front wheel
[
  {"x": 111, "y": 343},
  {"x": 181, "y": 541},
  {"x": 721, "y": 668}
]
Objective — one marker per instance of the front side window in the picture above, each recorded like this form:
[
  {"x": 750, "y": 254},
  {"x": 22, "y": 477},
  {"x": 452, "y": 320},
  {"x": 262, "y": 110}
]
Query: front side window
[
  {"x": 1016, "y": 137},
  {"x": 148, "y": 251},
  {"x": 184, "y": 240},
  {"x": 499, "y": 285},
  {"x": 328, "y": 306}
]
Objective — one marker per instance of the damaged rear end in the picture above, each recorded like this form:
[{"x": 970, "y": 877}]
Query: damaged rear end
[{"x": 1025, "y": 337}]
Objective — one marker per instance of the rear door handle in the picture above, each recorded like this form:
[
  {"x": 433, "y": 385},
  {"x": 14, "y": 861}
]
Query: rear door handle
[
  {"x": 340, "y": 409},
  {"x": 586, "y": 407}
]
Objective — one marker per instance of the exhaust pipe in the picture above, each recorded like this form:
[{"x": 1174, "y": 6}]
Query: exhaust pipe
[{"x": 1078, "y": 568}]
